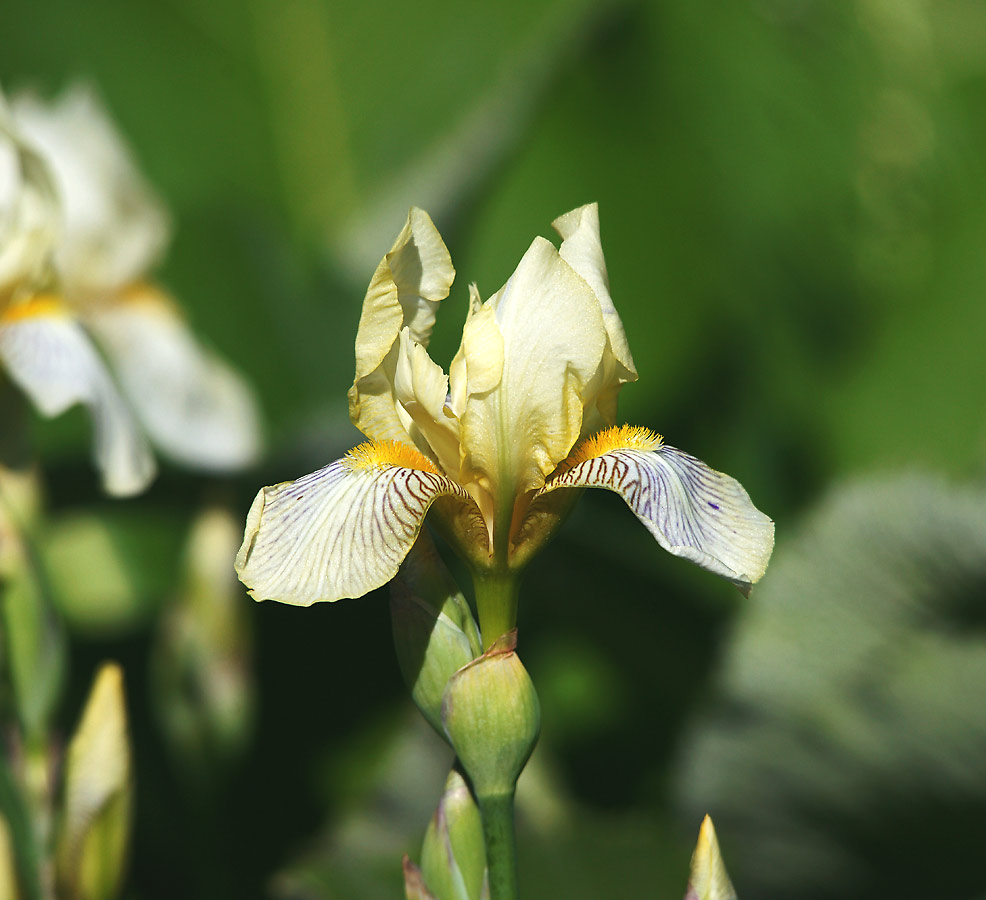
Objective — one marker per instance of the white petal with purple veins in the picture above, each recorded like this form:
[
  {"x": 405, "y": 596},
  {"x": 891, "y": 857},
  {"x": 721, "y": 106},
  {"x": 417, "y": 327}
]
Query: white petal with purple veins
[
  {"x": 691, "y": 510},
  {"x": 340, "y": 532}
]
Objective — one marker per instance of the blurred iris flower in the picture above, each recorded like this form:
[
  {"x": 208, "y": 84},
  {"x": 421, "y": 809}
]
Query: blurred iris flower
[
  {"x": 83, "y": 226},
  {"x": 43, "y": 347},
  {"x": 490, "y": 444}
]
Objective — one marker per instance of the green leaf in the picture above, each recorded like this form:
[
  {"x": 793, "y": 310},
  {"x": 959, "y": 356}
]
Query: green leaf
[{"x": 845, "y": 744}]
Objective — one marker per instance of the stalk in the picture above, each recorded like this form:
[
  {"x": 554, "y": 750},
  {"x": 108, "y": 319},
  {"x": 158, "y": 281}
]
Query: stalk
[
  {"x": 496, "y": 603},
  {"x": 501, "y": 845}
]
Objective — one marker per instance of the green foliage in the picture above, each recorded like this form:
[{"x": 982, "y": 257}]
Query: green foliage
[{"x": 848, "y": 715}]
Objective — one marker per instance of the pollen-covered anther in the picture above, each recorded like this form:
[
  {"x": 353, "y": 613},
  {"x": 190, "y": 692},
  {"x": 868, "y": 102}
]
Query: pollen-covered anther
[
  {"x": 619, "y": 437},
  {"x": 380, "y": 454}
]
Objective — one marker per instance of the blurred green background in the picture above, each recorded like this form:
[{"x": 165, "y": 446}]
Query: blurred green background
[{"x": 793, "y": 207}]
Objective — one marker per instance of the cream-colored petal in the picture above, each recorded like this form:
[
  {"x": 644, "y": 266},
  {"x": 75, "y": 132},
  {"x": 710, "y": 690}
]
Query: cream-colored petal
[
  {"x": 341, "y": 531},
  {"x": 28, "y": 212},
  {"x": 692, "y": 510},
  {"x": 46, "y": 352},
  {"x": 478, "y": 365},
  {"x": 196, "y": 409},
  {"x": 115, "y": 226},
  {"x": 404, "y": 292},
  {"x": 421, "y": 386},
  {"x": 582, "y": 250},
  {"x": 552, "y": 341}
]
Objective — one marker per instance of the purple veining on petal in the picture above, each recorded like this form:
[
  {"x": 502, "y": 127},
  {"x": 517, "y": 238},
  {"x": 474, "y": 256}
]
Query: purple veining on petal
[{"x": 713, "y": 505}]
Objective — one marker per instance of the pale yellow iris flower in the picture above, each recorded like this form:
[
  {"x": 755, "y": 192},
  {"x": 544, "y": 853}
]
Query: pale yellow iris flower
[{"x": 498, "y": 443}]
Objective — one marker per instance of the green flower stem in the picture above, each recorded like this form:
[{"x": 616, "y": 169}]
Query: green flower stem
[
  {"x": 496, "y": 603},
  {"x": 501, "y": 845}
]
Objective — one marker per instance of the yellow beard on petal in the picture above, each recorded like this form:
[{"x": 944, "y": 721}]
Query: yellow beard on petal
[
  {"x": 39, "y": 305},
  {"x": 619, "y": 437},
  {"x": 381, "y": 454}
]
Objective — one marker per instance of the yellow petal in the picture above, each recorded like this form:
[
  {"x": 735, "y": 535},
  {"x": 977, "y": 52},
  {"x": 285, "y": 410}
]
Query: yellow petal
[
  {"x": 404, "y": 293},
  {"x": 691, "y": 510},
  {"x": 46, "y": 352},
  {"x": 341, "y": 531},
  {"x": 196, "y": 409},
  {"x": 552, "y": 342},
  {"x": 420, "y": 386},
  {"x": 582, "y": 250}
]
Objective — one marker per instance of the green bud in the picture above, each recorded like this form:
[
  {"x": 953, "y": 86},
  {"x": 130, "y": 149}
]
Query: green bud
[
  {"x": 434, "y": 632},
  {"x": 492, "y": 718},
  {"x": 95, "y": 824},
  {"x": 203, "y": 681},
  {"x": 414, "y": 882},
  {"x": 708, "y": 879},
  {"x": 453, "y": 857}
]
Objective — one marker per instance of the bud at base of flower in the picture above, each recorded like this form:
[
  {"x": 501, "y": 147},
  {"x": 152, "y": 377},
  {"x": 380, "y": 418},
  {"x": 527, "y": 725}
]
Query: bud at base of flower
[
  {"x": 435, "y": 634},
  {"x": 492, "y": 718},
  {"x": 453, "y": 856}
]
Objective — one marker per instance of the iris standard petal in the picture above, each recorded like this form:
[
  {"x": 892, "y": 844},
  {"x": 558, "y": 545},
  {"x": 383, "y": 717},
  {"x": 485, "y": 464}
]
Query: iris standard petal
[
  {"x": 582, "y": 249},
  {"x": 691, "y": 510},
  {"x": 421, "y": 386},
  {"x": 195, "y": 408},
  {"x": 341, "y": 531},
  {"x": 49, "y": 356},
  {"x": 404, "y": 293},
  {"x": 553, "y": 339},
  {"x": 28, "y": 211},
  {"x": 115, "y": 226}
]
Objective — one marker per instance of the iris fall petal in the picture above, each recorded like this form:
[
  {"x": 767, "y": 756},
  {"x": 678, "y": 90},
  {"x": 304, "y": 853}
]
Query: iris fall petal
[
  {"x": 341, "y": 531},
  {"x": 47, "y": 353},
  {"x": 195, "y": 408},
  {"x": 691, "y": 510}
]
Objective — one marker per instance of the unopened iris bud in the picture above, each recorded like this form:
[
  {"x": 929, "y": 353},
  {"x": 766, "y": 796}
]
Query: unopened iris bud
[
  {"x": 434, "y": 631},
  {"x": 203, "y": 681},
  {"x": 708, "y": 879},
  {"x": 95, "y": 828},
  {"x": 492, "y": 717},
  {"x": 453, "y": 857}
]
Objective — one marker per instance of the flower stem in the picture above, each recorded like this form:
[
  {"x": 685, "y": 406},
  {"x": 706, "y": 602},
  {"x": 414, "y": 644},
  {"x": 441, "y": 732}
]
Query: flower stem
[
  {"x": 496, "y": 603},
  {"x": 501, "y": 846}
]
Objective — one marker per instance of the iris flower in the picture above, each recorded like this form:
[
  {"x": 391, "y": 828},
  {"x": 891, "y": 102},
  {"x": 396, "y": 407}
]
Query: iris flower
[
  {"x": 112, "y": 230},
  {"x": 498, "y": 447},
  {"x": 43, "y": 347}
]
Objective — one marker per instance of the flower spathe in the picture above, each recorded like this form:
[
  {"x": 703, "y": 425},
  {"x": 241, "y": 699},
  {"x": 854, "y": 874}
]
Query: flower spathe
[{"x": 493, "y": 444}]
